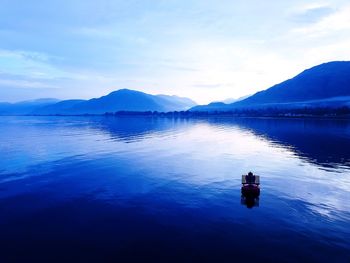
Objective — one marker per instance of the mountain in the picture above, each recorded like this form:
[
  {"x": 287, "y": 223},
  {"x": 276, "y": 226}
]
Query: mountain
[
  {"x": 217, "y": 106},
  {"x": 213, "y": 106},
  {"x": 120, "y": 100},
  {"x": 56, "y": 108},
  {"x": 231, "y": 100},
  {"x": 178, "y": 102},
  {"x": 326, "y": 85},
  {"x": 25, "y": 107}
]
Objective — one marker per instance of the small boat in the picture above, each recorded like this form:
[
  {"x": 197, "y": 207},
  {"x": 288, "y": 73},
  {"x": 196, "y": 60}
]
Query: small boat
[{"x": 250, "y": 185}]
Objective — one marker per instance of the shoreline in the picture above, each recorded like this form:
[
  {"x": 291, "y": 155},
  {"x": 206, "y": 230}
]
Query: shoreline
[{"x": 187, "y": 115}]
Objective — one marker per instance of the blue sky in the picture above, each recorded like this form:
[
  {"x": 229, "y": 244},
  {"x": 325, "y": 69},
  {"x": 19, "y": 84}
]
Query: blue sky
[{"x": 205, "y": 50}]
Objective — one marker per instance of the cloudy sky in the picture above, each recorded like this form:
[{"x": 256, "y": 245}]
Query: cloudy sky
[{"x": 205, "y": 50}]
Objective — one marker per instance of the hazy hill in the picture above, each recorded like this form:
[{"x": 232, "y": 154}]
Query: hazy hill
[
  {"x": 231, "y": 100},
  {"x": 326, "y": 84},
  {"x": 120, "y": 100},
  {"x": 60, "y": 107},
  {"x": 24, "y": 107}
]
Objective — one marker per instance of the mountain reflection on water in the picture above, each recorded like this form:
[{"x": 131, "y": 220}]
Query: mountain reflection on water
[
  {"x": 320, "y": 141},
  {"x": 87, "y": 189}
]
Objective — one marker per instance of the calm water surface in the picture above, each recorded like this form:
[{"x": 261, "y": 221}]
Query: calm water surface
[{"x": 107, "y": 189}]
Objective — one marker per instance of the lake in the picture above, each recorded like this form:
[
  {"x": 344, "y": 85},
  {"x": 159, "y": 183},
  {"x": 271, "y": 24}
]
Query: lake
[{"x": 143, "y": 189}]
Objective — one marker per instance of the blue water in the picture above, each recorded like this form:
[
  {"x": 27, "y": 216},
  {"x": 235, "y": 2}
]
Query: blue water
[{"x": 108, "y": 189}]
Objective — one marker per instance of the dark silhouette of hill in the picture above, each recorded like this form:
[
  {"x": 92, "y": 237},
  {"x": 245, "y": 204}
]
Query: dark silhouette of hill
[{"x": 325, "y": 85}]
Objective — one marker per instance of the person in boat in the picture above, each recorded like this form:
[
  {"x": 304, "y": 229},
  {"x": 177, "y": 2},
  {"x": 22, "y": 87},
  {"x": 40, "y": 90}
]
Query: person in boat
[{"x": 250, "y": 178}]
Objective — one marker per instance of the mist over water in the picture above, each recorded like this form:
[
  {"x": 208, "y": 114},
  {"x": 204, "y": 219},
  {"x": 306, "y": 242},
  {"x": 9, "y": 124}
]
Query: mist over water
[{"x": 149, "y": 189}]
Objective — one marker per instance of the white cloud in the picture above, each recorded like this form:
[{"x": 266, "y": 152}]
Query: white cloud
[
  {"x": 26, "y": 84},
  {"x": 31, "y": 64},
  {"x": 336, "y": 22}
]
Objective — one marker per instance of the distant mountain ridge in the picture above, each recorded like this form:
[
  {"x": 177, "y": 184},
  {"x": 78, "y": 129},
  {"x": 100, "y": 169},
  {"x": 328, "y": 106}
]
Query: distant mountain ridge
[
  {"x": 24, "y": 107},
  {"x": 120, "y": 100},
  {"x": 323, "y": 86},
  {"x": 327, "y": 84},
  {"x": 231, "y": 100}
]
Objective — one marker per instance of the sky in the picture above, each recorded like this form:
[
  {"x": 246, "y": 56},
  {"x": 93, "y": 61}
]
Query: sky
[{"x": 201, "y": 49}]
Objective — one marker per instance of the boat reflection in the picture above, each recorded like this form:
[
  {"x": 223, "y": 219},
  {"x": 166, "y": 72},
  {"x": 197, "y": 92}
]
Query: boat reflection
[{"x": 250, "y": 201}]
